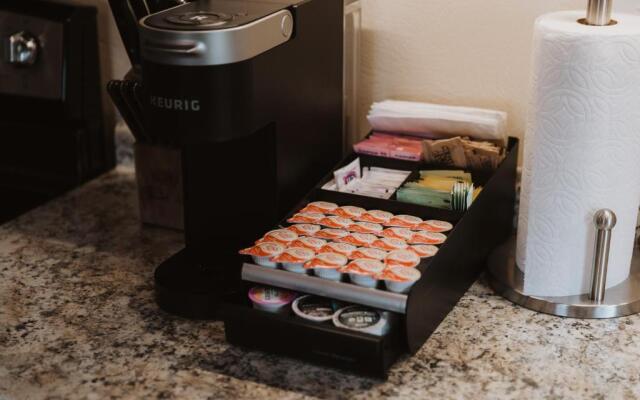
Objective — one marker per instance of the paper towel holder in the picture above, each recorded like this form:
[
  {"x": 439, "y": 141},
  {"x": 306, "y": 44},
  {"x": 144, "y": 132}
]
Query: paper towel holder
[
  {"x": 506, "y": 278},
  {"x": 599, "y": 13}
]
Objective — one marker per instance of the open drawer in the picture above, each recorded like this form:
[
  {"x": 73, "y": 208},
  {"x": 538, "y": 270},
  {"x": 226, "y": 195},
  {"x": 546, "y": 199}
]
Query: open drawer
[{"x": 445, "y": 278}]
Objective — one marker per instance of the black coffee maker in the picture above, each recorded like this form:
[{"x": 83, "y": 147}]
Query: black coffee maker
[{"x": 251, "y": 91}]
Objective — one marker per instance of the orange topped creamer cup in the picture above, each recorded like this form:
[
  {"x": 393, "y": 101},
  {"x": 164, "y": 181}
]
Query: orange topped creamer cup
[
  {"x": 375, "y": 216},
  {"x": 341, "y": 248},
  {"x": 358, "y": 239},
  {"x": 370, "y": 253},
  {"x": 363, "y": 272},
  {"x": 400, "y": 279},
  {"x": 282, "y": 236},
  {"x": 365, "y": 227},
  {"x": 331, "y": 234},
  {"x": 294, "y": 258},
  {"x": 350, "y": 211},
  {"x": 434, "y": 225},
  {"x": 333, "y": 221},
  {"x": 402, "y": 258},
  {"x": 425, "y": 237},
  {"x": 308, "y": 242},
  {"x": 404, "y": 221},
  {"x": 305, "y": 218},
  {"x": 395, "y": 232},
  {"x": 304, "y": 229},
  {"x": 320, "y": 207},
  {"x": 424, "y": 250},
  {"x": 389, "y": 244},
  {"x": 327, "y": 265},
  {"x": 263, "y": 252}
]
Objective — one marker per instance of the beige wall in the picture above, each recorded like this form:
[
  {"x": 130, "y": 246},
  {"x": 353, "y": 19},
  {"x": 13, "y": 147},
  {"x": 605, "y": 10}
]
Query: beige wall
[{"x": 463, "y": 52}]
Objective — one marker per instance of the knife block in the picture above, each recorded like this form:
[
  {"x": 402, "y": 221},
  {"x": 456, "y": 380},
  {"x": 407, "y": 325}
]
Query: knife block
[{"x": 159, "y": 178}]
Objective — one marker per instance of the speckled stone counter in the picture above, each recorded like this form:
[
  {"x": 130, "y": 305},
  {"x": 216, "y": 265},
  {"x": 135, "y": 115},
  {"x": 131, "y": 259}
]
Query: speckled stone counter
[{"x": 78, "y": 320}]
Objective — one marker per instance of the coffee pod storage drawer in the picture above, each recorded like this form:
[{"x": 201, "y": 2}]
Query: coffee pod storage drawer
[{"x": 445, "y": 278}]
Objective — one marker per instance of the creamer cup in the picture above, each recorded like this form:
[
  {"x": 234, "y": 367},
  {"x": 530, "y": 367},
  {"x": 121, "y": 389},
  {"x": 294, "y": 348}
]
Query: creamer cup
[
  {"x": 327, "y": 265},
  {"x": 400, "y": 279},
  {"x": 282, "y": 236},
  {"x": 304, "y": 229},
  {"x": 434, "y": 225},
  {"x": 363, "y": 272},
  {"x": 293, "y": 259},
  {"x": 403, "y": 258},
  {"x": 324, "y": 207},
  {"x": 375, "y": 216},
  {"x": 404, "y": 221},
  {"x": 350, "y": 211},
  {"x": 426, "y": 237},
  {"x": 262, "y": 253}
]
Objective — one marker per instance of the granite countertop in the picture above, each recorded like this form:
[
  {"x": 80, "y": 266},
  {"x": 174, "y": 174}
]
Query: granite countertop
[{"x": 78, "y": 320}]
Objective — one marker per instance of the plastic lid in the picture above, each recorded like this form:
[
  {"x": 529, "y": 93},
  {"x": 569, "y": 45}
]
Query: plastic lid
[
  {"x": 314, "y": 308},
  {"x": 270, "y": 295}
]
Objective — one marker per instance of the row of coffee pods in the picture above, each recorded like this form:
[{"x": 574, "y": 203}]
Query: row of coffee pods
[{"x": 321, "y": 310}]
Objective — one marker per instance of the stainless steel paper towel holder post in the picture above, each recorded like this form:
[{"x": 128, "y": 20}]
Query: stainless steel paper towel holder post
[{"x": 507, "y": 279}]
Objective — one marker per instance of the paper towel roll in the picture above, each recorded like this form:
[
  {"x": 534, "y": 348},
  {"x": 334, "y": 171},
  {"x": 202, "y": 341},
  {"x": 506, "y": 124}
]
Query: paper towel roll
[{"x": 582, "y": 151}]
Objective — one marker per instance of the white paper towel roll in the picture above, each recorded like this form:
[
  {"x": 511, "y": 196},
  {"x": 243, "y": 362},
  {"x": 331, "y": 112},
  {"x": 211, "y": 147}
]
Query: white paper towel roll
[{"x": 582, "y": 151}]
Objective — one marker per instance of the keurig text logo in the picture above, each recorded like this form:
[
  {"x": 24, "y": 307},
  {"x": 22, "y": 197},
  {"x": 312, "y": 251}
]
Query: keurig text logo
[{"x": 175, "y": 104}]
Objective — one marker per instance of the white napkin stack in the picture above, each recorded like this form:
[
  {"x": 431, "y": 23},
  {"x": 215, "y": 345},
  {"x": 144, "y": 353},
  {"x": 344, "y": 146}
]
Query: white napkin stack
[{"x": 437, "y": 121}]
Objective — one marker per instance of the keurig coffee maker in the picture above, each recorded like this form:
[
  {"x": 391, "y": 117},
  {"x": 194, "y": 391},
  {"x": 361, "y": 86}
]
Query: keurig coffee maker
[{"x": 252, "y": 92}]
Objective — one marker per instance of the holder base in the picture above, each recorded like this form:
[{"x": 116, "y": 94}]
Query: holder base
[{"x": 508, "y": 280}]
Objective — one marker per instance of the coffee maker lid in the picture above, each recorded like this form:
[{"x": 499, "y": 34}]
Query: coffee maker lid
[
  {"x": 216, "y": 32},
  {"x": 208, "y": 15}
]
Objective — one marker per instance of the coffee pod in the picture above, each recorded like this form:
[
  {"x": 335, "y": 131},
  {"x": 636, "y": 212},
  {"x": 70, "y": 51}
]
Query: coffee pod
[
  {"x": 363, "y": 272},
  {"x": 362, "y": 319},
  {"x": 314, "y": 308},
  {"x": 327, "y": 265},
  {"x": 263, "y": 252},
  {"x": 293, "y": 259},
  {"x": 271, "y": 299},
  {"x": 400, "y": 279}
]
